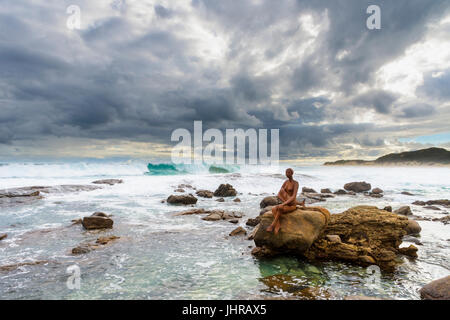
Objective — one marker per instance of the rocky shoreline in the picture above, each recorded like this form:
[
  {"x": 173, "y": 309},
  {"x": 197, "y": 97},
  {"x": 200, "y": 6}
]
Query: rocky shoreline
[{"x": 361, "y": 235}]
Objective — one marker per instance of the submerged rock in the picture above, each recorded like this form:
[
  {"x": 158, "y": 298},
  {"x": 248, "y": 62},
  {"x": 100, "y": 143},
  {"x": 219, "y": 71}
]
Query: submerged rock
[
  {"x": 357, "y": 186},
  {"x": 110, "y": 182},
  {"x": 225, "y": 190},
  {"x": 406, "y": 193},
  {"x": 204, "y": 193},
  {"x": 182, "y": 199},
  {"x": 98, "y": 220},
  {"x": 299, "y": 229},
  {"x": 88, "y": 247},
  {"x": 436, "y": 290},
  {"x": 369, "y": 236}
]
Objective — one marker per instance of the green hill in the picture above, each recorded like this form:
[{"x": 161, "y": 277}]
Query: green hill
[{"x": 430, "y": 156}]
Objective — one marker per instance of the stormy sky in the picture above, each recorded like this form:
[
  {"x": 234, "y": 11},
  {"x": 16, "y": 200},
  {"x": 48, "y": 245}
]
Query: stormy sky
[{"x": 137, "y": 70}]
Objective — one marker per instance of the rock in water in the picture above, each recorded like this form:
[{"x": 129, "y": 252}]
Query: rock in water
[
  {"x": 3, "y": 236},
  {"x": 98, "y": 220},
  {"x": 204, "y": 193},
  {"x": 436, "y": 290},
  {"x": 340, "y": 192},
  {"x": 252, "y": 222},
  {"x": 225, "y": 190},
  {"x": 269, "y": 201},
  {"x": 405, "y": 210},
  {"x": 182, "y": 199},
  {"x": 369, "y": 236},
  {"x": 377, "y": 191},
  {"x": 413, "y": 227},
  {"x": 299, "y": 229},
  {"x": 357, "y": 186},
  {"x": 308, "y": 190},
  {"x": 409, "y": 251},
  {"x": 110, "y": 182},
  {"x": 238, "y": 232},
  {"x": 326, "y": 190},
  {"x": 388, "y": 208}
]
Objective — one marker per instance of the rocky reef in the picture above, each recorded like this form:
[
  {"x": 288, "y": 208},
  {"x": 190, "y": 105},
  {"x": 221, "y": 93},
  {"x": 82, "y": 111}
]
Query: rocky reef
[{"x": 364, "y": 235}]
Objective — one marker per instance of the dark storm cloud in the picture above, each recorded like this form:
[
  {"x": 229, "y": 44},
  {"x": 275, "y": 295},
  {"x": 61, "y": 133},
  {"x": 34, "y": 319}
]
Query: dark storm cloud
[
  {"x": 417, "y": 111},
  {"x": 119, "y": 78},
  {"x": 379, "y": 100}
]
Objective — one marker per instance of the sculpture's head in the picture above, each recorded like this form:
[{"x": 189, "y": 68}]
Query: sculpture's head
[{"x": 289, "y": 173}]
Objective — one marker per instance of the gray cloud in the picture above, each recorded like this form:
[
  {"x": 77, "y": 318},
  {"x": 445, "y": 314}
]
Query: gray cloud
[{"x": 119, "y": 78}]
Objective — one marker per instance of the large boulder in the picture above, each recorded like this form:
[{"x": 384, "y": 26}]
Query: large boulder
[
  {"x": 299, "y": 229},
  {"x": 98, "y": 220},
  {"x": 368, "y": 236},
  {"x": 357, "y": 186},
  {"x": 182, "y": 199},
  {"x": 436, "y": 290},
  {"x": 225, "y": 190}
]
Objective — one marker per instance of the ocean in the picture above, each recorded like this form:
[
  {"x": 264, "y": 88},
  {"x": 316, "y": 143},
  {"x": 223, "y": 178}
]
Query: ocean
[{"x": 162, "y": 256}]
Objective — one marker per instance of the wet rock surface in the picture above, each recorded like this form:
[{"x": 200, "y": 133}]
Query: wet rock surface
[
  {"x": 436, "y": 290},
  {"x": 357, "y": 186},
  {"x": 225, "y": 190},
  {"x": 97, "y": 220},
  {"x": 369, "y": 236},
  {"x": 182, "y": 199}
]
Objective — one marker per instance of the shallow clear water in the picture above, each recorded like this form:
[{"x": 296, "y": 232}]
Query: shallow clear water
[{"x": 160, "y": 256}]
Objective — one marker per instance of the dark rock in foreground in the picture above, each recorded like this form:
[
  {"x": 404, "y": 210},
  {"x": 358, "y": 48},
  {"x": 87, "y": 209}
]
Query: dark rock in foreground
[
  {"x": 357, "y": 186},
  {"x": 436, "y": 290},
  {"x": 225, "y": 190},
  {"x": 182, "y": 199},
  {"x": 98, "y": 220},
  {"x": 3, "y": 236}
]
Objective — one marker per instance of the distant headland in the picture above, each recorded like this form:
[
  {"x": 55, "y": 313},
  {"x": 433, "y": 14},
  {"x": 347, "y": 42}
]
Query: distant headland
[{"x": 428, "y": 157}]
